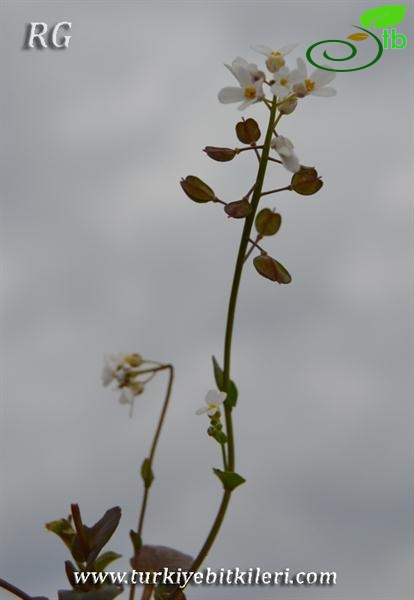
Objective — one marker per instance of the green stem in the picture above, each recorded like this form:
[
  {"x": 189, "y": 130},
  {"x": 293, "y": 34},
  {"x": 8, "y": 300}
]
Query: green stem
[
  {"x": 14, "y": 590},
  {"x": 153, "y": 449},
  {"x": 229, "y": 335}
]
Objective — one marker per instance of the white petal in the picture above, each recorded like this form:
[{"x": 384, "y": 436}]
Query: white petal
[
  {"x": 291, "y": 163},
  {"x": 302, "y": 68},
  {"x": 201, "y": 410},
  {"x": 261, "y": 49},
  {"x": 230, "y": 94},
  {"x": 211, "y": 397},
  {"x": 322, "y": 77},
  {"x": 325, "y": 92},
  {"x": 127, "y": 396},
  {"x": 288, "y": 49},
  {"x": 107, "y": 375},
  {"x": 221, "y": 396},
  {"x": 245, "y": 104},
  {"x": 280, "y": 90}
]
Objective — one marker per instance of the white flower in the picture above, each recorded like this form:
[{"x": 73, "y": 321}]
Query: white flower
[
  {"x": 112, "y": 363},
  {"x": 275, "y": 59},
  {"x": 213, "y": 400},
  {"x": 127, "y": 396},
  {"x": 251, "y": 85},
  {"x": 284, "y": 148},
  {"x": 314, "y": 84},
  {"x": 284, "y": 81},
  {"x": 117, "y": 366}
]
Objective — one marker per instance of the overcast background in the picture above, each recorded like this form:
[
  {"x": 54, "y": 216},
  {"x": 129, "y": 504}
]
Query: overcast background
[{"x": 102, "y": 252}]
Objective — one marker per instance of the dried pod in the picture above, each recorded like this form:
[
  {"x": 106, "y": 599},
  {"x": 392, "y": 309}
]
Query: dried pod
[
  {"x": 268, "y": 222},
  {"x": 197, "y": 190},
  {"x": 220, "y": 154},
  {"x": 238, "y": 209},
  {"x": 270, "y": 268},
  {"x": 248, "y": 131},
  {"x": 306, "y": 181}
]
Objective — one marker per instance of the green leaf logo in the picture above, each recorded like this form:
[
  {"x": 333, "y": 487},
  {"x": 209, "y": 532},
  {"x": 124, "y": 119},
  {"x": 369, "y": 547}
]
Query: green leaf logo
[{"x": 383, "y": 16}]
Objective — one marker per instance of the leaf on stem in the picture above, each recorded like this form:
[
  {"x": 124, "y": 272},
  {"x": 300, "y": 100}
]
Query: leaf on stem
[
  {"x": 229, "y": 479},
  {"x": 156, "y": 558},
  {"x": 146, "y": 473},
  {"x": 64, "y": 530}
]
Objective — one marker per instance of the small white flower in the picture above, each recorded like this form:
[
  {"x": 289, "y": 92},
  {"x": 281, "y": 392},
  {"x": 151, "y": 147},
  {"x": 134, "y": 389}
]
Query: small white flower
[
  {"x": 127, "y": 396},
  {"x": 251, "y": 85},
  {"x": 117, "y": 366},
  {"x": 213, "y": 400},
  {"x": 314, "y": 84},
  {"x": 275, "y": 59},
  {"x": 284, "y": 148},
  {"x": 112, "y": 363},
  {"x": 284, "y": 81}
]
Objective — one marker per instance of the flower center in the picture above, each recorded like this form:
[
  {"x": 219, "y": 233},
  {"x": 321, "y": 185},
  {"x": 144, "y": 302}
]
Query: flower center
[
  {"x": 309, "y": 85},
  {"x": 275, "y": 54},
  {"x": 283, "y": 81},
  {"x": 250, "y": 93}
]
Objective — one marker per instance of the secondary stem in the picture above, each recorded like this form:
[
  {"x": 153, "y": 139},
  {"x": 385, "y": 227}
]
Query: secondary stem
[{"x": 157, "y": 434}]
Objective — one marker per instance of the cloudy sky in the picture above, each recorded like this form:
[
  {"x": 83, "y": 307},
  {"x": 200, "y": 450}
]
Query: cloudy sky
[{"x": 102, "y": 252}]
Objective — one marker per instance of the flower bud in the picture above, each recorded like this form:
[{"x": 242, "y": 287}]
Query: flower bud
[
  {"x": 300, "y": 90},
  {"x": 220, "y": 154},
  {"x": 268, "y": 222},
  {"x": 133, "y": 360},
  {"x": 238, "y": 209},
  {"x": 288, "y": 106},
  {"x": 248, "y": 131},
  {"x": 306, "y": 181},
  {"x": 270, "y": 268},
  {"x": 197, "y": 190}
]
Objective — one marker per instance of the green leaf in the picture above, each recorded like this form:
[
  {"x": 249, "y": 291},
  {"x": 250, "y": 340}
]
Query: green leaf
[
  {"x": 64, "y": 530},
  {"x": 383, "y": 16},
  {"x": 106, "y": 559},
  {"x": 97, "y": 535},
  {"x": 232, "y": 395},
  {"x": 218, "y": 375},
  {"x": 136, "y": 540},
  {"x": 106, "y": 593},
  {"x": 229, "y": 479},
  {"x": 268, "y": 222},
  {"x": 146, "y": 473}
]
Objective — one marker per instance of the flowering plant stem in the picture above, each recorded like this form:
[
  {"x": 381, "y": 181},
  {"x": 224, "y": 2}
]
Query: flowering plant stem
[
  {"x": 153, "y": 449},
  {"x": 229, "y": 465}
]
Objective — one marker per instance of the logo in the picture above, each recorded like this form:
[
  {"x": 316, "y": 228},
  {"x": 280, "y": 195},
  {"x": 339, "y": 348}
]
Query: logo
[
  {"x": 37, "y": 35},
  {"x": 382, "y": 17}
]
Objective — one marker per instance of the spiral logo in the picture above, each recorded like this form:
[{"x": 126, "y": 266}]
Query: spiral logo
[{"x": 353, "y": 52}]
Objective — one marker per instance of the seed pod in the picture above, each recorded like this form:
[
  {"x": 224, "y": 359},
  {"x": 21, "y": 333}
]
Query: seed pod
[
  {"x": 197, "y": 190},
  {"x": 238, "y": 209},
  {"x": 306, "y": 181},
  {"x": 220, "y": 154},
  {"x": 248, "y": 131},
  {"x": 268, "y": 222},
  {"x": 270, "y": 268}
]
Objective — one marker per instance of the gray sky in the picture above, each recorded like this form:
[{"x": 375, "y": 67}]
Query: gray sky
[{"x": 102, "y": 252}]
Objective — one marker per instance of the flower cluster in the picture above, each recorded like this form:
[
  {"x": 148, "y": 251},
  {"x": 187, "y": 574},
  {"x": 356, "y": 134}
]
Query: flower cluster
[
  {"x": 284, "y": 84},
  {"x": 123, "y": 369}
]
